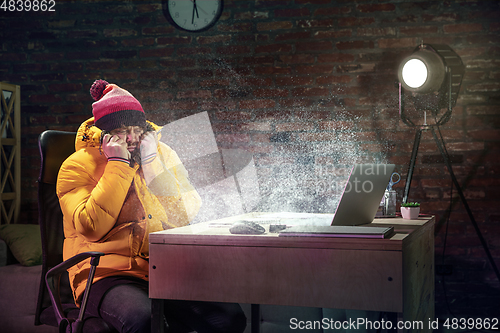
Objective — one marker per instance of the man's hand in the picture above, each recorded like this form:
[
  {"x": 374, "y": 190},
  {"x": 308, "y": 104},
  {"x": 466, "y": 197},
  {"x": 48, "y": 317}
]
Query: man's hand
[
  {"x": 149, "y": 147},
  {"x": 114, "y": 146}
]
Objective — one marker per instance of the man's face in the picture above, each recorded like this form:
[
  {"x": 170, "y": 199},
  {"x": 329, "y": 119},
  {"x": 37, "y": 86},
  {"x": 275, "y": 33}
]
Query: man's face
[{"x": 131, "y": 134}]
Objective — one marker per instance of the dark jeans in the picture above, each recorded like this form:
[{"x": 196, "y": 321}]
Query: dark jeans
[{"x": 123, "y": 302}]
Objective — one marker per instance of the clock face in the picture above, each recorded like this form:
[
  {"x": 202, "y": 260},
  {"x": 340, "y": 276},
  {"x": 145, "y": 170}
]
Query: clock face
[{"x": 192, "y": 15}]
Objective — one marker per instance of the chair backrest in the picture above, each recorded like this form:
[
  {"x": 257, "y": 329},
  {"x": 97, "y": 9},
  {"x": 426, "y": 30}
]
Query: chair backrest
[{"x": 55, "y": 147}]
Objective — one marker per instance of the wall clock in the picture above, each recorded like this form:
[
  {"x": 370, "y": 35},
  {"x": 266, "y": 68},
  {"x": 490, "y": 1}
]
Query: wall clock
[{"x": 192, "y": 15}]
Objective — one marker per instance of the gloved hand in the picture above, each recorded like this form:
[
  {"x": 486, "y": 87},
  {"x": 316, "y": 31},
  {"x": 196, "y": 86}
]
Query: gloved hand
[
  {"x": 115, "y": 147},
  {"x": 149, "y": 147}
]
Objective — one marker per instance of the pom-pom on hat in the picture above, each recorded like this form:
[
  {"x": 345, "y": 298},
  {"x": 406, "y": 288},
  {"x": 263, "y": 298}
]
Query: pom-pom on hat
[{"x": 115, "y": 107}]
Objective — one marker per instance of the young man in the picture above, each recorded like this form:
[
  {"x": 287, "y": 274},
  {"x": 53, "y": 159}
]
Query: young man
[{"x": 120, "y": 185}]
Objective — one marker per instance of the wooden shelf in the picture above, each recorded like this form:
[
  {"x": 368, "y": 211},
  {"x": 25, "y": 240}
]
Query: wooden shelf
[{"x": 10, "y": 153}]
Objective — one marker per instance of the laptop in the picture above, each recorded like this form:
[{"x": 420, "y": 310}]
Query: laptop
[
  {"x": 362, "y": 194},
  {"x": 357, "y": 206}
]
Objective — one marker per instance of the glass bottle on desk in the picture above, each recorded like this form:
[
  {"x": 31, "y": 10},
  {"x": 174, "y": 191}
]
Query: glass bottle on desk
[
  {"x": 389, "y": 199},
  {"x": 389, "y": 203}
]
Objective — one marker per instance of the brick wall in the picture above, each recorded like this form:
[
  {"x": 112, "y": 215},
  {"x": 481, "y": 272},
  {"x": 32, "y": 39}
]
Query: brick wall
[{"x": 306, "y": 86}]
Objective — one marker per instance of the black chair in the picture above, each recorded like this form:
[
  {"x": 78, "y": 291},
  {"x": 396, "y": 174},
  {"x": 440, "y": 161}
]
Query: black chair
[{"x": 55, "y": 306}]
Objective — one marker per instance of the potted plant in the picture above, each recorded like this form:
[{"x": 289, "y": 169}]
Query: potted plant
[{"x": 410, "y": 210}]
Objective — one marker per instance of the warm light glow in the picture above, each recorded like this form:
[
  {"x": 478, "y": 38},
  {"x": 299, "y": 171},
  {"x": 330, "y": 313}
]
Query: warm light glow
[{"x": 414, "y": 73}]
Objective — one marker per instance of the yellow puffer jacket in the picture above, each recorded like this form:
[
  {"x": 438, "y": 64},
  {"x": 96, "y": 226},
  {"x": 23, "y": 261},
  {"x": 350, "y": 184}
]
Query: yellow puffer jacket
[{"x": 108, "y": 207}]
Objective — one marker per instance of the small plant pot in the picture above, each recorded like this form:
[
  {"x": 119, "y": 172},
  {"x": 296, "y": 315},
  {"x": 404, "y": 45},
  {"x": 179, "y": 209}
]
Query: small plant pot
[{"x": 410, "y": 213}]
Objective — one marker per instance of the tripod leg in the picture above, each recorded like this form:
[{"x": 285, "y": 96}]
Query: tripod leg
[
  {"x": 464, "y": 201},
  {"x": 411, "y": 167}
]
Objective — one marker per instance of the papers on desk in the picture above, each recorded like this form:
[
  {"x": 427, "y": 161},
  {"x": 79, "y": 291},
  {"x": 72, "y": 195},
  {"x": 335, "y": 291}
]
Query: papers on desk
[{"x": 338, "y": 231}]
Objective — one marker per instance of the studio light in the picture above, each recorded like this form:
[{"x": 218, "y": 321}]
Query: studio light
[
  {"x": 432, "y": 75},
  {"x": 422, "y": 72},
  {"x": 430, "y": 78}
]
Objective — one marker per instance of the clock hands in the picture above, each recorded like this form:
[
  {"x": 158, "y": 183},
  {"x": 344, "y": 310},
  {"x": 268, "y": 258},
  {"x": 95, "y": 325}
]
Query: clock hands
[
  {"x": 195, "y": 9},
  {"x": 204, "y": 12}
]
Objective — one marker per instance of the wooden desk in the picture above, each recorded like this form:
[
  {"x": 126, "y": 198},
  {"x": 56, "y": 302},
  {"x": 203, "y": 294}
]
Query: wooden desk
[{"x": 205, "y": 262}]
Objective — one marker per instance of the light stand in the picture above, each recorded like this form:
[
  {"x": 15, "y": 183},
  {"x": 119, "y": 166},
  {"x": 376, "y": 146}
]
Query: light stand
[{"x": 449, "y": 97}]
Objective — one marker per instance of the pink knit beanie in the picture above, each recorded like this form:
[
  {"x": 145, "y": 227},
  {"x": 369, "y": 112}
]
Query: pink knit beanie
[{"x": 115, "y": 107}]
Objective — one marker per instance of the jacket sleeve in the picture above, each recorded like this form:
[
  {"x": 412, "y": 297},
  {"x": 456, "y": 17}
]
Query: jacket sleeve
[
  {"x": 91, "y": 194},
  {"x": 170, "y": 184}
]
